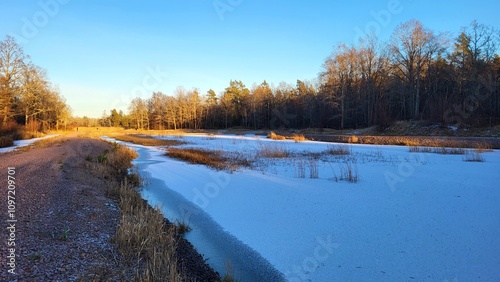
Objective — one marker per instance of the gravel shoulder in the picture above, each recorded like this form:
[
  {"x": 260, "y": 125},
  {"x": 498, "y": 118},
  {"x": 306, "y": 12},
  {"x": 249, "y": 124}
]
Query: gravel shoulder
[{"x": 64, "y": 219}]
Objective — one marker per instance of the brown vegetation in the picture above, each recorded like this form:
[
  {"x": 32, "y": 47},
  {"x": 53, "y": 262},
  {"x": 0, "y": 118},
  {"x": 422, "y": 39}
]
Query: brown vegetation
[
  {"x": 6, "y": 141},
  {"x": 142, "y": 235},
  {"x": 273, "y": 151},
  {"x": 438, "y": 150},
  {"x": 337, "y": 150},
  {"x": 147, "y": 140},
  {"x": 275, "y": 136},
  {"x": 213, "y": 159},
  {"x": 348, "y": 172},
  {"x": 449, "y": 142},
  {"x": 147, "y": 241},
  {"x": 298, "y": 138}
]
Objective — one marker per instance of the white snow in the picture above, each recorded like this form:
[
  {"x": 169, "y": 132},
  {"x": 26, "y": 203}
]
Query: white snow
[
  {"x": 23, "y": 143},
  {"x": 411, "y": 216}
]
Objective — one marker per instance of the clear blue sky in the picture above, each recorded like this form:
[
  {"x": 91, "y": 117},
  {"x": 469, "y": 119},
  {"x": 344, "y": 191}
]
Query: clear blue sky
[{"x": 101, "y": 53}]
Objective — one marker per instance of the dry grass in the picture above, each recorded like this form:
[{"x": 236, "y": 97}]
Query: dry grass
[
  {"x": 313, "y": 168},
  {"x": 96, "y": 132},
  {"x": 338, "y": 150},
  {"x": 117, "y": 161},
  {"x": 273, "y": 151},
  {"x": 353, "y": 139},
  {"x": 147, "y": 140},
  {"x": 411, "y": 141},
  {"x": 473, "y": 156},
  {"x": 440, "y": 150},
  {"x": 213, "y": 159},
  {"x": 348, "y": 172},
  {"x": 275, "y": 136},
  {"x": 298, "y": 138},
  {"x": 300, "y": 169},
  {"x": 229, "y": 276},
  {"x": 142, "y": 235},
  {"x": 295, "y": 137}
]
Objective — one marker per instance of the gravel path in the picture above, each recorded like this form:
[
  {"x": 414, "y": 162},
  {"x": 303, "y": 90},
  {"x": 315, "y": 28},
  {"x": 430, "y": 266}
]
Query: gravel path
[{"x": 64, "y": 221}]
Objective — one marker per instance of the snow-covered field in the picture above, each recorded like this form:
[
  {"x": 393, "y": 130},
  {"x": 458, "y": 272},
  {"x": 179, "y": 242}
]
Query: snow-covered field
[
  {"x": 409, "y": 217},
  {"x": 23, "y": 143}
]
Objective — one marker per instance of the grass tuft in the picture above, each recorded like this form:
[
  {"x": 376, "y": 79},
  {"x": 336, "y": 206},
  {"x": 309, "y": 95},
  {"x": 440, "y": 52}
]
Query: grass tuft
[
  {"x": 229, "y": 276},
  {"x": 473, "y": 156},
  {"x": 313, "y": 168},
  {"x": 182, "y": 227},
  {"x": 348, "y": 172},
  {"x": 300, "y": 169},
  {"x": 338, "y": 150},
  {"x": 273, "y": 151}
]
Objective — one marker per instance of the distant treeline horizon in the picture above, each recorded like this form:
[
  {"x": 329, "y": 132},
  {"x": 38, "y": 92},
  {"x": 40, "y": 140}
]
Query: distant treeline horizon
[{"x": 417, "y": 75}]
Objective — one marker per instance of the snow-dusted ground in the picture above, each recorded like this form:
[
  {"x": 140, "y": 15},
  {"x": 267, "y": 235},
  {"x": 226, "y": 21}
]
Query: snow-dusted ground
[
  {"x": 23, "y": 143},
  {"x": 410, "y": 217}
]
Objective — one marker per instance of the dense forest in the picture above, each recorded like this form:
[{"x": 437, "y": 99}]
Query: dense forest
[
  {"x": 27, "y": 98},
  {"x": 416, "y": 75}
]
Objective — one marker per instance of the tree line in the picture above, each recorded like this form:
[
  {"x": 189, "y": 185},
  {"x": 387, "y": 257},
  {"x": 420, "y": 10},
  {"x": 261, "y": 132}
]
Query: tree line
[
  {"x": 417, "y": 75},
  {"x": 27, "y": 97}
]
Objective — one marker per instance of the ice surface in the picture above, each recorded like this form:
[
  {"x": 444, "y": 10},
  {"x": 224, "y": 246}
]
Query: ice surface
[{"x": 411, "y": 217}]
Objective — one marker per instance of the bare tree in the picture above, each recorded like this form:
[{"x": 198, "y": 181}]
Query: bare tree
[
  {"x": 12, "y": 62},
  {"x": 412, "y": 47}
]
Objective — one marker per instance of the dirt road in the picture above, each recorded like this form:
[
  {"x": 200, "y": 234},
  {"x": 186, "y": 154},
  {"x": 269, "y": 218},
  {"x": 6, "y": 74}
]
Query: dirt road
[
  {"x": 59, "y": 222},
  {"x": 63, "y": 219}
]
